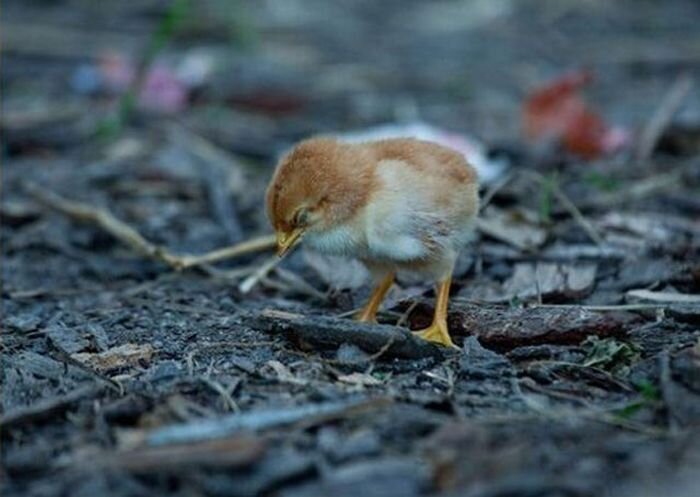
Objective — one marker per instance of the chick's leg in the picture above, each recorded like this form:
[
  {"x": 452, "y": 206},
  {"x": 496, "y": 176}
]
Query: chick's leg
[
  {"x": 369, "y": 312},
  {"x": 437, "y": 332}
]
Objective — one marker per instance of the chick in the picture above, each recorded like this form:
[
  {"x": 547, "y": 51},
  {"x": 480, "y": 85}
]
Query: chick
[{"x": 396, "y": 205}]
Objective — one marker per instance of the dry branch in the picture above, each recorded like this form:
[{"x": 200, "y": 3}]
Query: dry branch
[{"x": 106, "y": 221}]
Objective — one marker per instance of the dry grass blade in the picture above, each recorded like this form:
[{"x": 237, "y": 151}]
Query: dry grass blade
[
  {"x": 571, "y": 208},
  {"x": 670, "y": 103}
]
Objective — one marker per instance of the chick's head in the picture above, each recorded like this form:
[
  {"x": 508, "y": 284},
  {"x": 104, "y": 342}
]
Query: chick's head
[{"x": 316, "y": 187}]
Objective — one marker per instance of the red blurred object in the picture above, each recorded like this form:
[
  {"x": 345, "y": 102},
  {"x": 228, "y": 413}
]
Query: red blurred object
[{"x": 557, "y": 112}]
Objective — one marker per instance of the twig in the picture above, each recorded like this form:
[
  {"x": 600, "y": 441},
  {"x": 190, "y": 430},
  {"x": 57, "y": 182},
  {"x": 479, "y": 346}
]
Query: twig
[
  {"x": 230, "y": 404},
  {"x": 105, "y": 220},
  {"x": 299, "y": 284},
  {"x": 495, "y": 188},
  {"x": 404, "y": 316},
  {"x": 571, "y": 208},
  {"x": 661, "y": 118},
  {"x": 385, "y": 348},
  {"x": 666, "y": 297},
  {"x": 601, "y": 308},
  {"x": 640, "y": 189},
  {"x": 257, "y": 244},
  {"x": 249, "y": 283}
]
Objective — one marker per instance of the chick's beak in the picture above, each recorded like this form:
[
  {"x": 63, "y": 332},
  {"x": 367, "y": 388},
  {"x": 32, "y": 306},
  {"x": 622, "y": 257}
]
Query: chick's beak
[{"x": 287, "y": 240}]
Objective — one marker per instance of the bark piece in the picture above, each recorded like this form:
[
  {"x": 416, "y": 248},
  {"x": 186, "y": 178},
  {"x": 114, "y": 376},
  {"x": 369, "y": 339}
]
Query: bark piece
[
  {"x": 504, "y": 328},
  {"x": 315, "y": 332}
]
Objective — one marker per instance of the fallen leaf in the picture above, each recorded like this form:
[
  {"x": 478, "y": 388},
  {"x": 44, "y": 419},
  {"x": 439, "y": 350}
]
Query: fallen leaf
[
  {"x": 664, "y": 297},
  {"x": 557, "y": 112},
  {"x": 610, "y": 354}
]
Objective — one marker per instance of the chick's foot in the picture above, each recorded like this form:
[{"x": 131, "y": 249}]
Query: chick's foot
[{"x": 437, "y": 333}]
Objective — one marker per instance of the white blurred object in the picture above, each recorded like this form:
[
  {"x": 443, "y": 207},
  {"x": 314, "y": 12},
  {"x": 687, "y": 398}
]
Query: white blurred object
[{"x": 474, "y": 151}]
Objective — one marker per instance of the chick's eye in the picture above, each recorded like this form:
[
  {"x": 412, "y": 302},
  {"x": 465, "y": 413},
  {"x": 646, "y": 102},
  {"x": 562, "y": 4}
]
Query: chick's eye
[{"x": 301, "y": 217}]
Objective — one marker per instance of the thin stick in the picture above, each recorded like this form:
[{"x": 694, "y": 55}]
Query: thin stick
[
  {"x": 251, "y": 281},
  {"x": 495, "y": 188},
  {"x": 578, "y": 217},
  {"x": 603, "y": 308},
  {"x": 572, "y": 209},
  {"x": 225, "y": 395},
  {"x": 665, "y": 297},
  {"x": 105, "y": 220},
  {"x": 299, "y": 284},
  {"x": 249, "y": 246},
  {"x": 661, "y": 118}
]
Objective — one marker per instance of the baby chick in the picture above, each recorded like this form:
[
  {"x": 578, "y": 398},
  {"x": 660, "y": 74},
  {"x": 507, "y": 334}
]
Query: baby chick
[{"x": 396, "y": 205}]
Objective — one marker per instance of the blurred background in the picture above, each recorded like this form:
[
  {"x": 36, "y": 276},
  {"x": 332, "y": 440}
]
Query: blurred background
[
  {"x": 252, "y": 74},
  {"x": 510, "y": 83},
  {"x": 583, "y": 120}
]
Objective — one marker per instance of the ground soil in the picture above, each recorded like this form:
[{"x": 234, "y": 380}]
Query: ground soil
[{"x": 578, "y": 369}]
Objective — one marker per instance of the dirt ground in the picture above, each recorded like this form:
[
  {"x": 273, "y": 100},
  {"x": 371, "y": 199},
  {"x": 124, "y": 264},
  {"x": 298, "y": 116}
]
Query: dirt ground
[{"x": 576, "y": 308}]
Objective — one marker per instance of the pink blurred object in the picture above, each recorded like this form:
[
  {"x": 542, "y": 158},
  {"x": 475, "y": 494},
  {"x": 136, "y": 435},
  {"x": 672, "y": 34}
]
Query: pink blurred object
[
  {"x": 163, "y": 92},
  {"x": 165, "y": 89}
]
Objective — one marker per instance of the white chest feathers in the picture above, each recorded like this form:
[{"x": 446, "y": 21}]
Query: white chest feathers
[{"x": 346, "y": 240}]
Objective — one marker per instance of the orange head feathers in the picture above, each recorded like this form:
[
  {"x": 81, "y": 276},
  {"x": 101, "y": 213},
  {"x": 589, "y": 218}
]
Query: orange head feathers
[{"x": 316, "y": 186}]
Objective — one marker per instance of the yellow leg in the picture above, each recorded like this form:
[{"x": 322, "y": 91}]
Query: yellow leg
[
  {"x": 369, "y": 313},
  {"x": 437, "y": 332}
]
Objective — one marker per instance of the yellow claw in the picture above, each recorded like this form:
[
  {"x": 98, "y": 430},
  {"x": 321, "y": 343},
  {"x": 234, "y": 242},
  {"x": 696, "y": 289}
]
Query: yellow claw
[{"x": 436, "y": 333}]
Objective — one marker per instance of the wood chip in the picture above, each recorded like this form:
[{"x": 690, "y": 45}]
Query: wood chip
[
  {"x": 361, "y": 379},
  {"x": 127, "y": 355},
  {"x": 504, "y": 328},
  {"x": 550, "y": 281}
]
